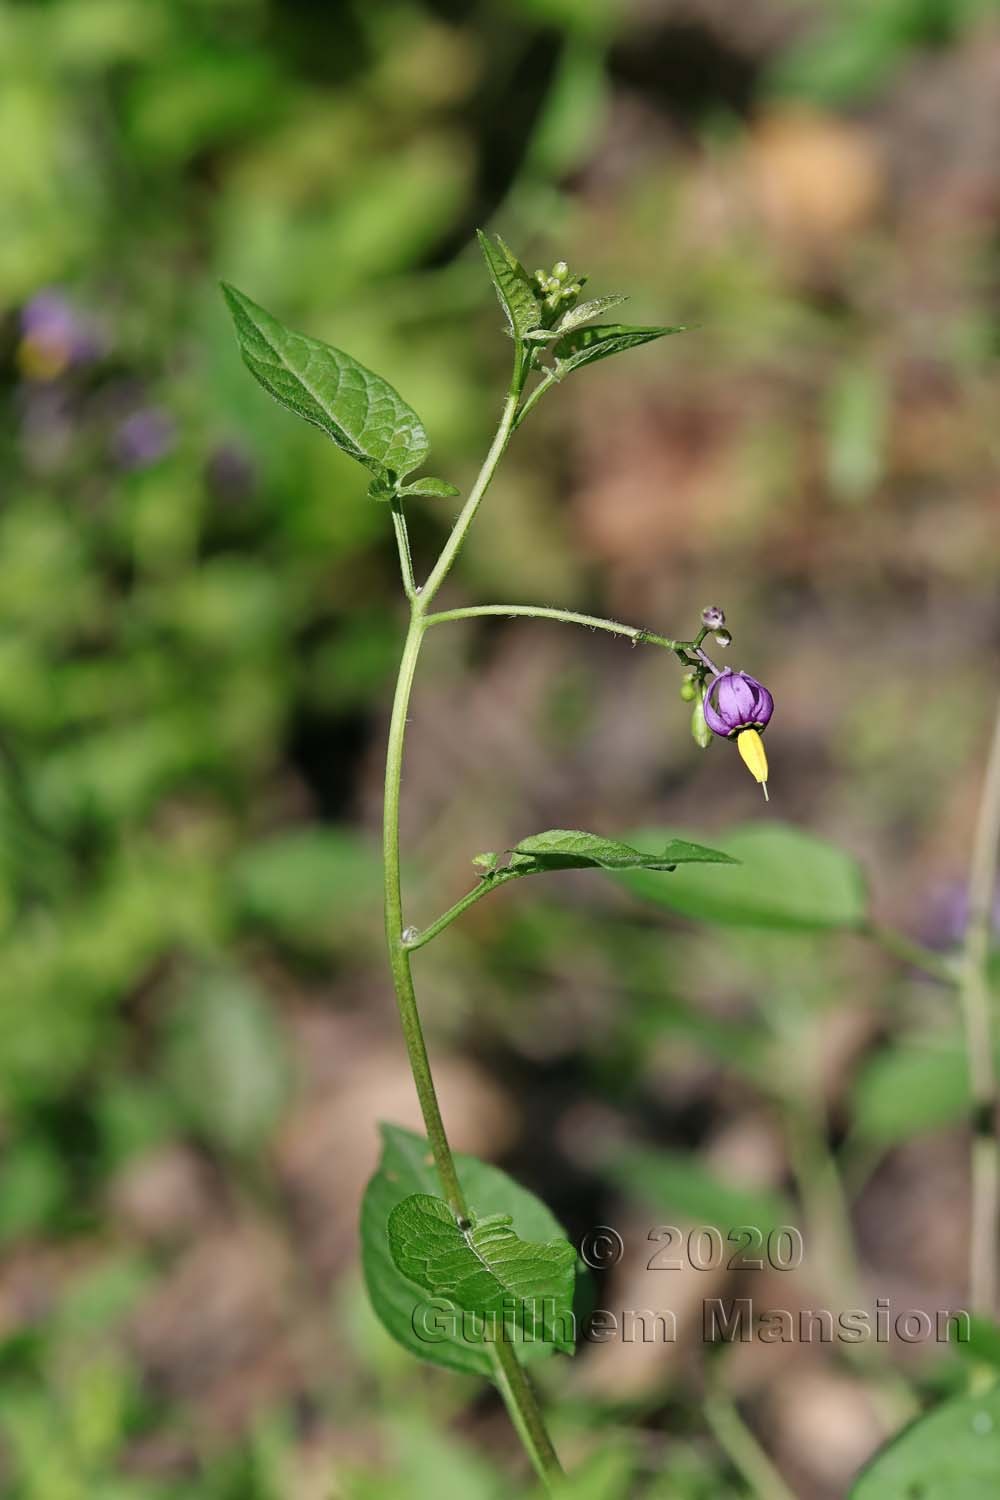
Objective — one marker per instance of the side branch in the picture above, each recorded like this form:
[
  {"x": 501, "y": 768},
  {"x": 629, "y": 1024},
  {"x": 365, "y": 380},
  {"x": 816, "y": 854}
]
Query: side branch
[
  {"x": 637, "y": 636},
  {"x": 491, "y": 882}
]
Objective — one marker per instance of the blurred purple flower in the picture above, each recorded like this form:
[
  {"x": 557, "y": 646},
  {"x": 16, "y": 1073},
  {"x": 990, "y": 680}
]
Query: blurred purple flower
[
  {"x": 735, "y": 701},
  {"x": 947, "y": 914},
  {"x": 144, "y": 437},
  {"x": 54, "y": 336}
]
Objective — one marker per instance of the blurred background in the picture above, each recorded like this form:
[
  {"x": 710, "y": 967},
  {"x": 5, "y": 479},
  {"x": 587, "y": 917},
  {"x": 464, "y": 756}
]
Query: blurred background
[{"x": 199, "y": 622}]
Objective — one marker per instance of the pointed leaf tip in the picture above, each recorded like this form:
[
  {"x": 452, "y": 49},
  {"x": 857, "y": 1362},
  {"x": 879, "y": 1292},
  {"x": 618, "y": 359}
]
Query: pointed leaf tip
[
  {"x": 513, "y": 286},
  {"x": 359, "y": 410}
]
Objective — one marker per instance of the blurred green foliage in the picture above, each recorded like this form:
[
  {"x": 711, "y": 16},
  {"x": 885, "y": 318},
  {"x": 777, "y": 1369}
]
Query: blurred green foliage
[{"x": 198, "y": 624}]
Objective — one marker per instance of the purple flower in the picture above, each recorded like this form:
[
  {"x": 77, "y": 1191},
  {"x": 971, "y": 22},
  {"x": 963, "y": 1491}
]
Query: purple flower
[
  {"x": 144, "y": 437},
  {"x": 735, "y": 701},
  {"x": 54, "y": 337},
  {"x": 738, "y": 707}
]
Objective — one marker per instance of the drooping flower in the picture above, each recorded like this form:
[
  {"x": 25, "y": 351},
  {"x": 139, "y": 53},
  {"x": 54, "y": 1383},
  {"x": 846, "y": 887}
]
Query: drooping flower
[{"x": 739, "y": 707}]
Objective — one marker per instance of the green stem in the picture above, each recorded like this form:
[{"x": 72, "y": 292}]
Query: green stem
[
  {"x": 399, "y": 958},
  {"x": 510, "y": 1379},
  {"x": 828, "y": 1222},
  {"x": 633, "y": 633},
  {"x": 914, "y": 954},
  {"x": 976, "y": 1003},
  {"x": 525, "y": 1413},
  {"x": 743, "y": 1450},
  {"x": 487, "y": 884},
  {"x": 548, "y": 380},
  {"x": 403, "y": 544},
  {"x": 467, "y": 515}
]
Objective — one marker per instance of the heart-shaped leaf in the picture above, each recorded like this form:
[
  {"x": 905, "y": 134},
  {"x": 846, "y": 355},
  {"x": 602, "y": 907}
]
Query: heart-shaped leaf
[
  {"x": 407, "y": 1168},
  {"x": 483, "y": 1268},
  {"x": 586, "y": 345},
  {"x": 514, "y": 287},
  {"x": 572, "y": 849},
  {"x": 355, "y": 407}
]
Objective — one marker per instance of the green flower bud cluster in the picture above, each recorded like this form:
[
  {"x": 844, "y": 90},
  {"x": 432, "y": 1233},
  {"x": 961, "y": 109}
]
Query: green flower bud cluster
[{"x": 559, "y": 287}]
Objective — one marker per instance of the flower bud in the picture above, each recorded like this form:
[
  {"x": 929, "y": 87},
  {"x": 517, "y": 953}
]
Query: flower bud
[
  {"x": 689, "y": 687},
  {"x": 713, "y": 617},
  {"x": 723, "y": 638},
  {"x": 700, "y": 732}
]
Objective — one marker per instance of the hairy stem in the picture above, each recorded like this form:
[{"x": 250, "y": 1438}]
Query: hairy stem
[
  {"x": 634, "y": 633},
  {"x": 977, "y": 1006},
  {"x": 511, "y": 1381},
  {"x": 487, "y": 884},
  {"x": 548, "y": 380},
  {"x": 399, "y": 958},
  {"x": 467, "y": 515},
  {"x": 525, "y": 1413},
  {"x": 403, "y": 544}
]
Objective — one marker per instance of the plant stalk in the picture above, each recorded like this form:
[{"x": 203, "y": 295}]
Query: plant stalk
[
  {"x": 634, "y": 633},
  {"x": 467, "y": 515},
  {"x": 977, "y": 1007},
  {"x": 744, "y": 1452},
  {"x": 508, "y": 1375}
]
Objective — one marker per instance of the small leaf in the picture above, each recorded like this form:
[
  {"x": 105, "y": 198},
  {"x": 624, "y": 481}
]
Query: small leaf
[
  {"x": 785, "y": 879},
  {"x": 514, "y": 288},
  {"x": 382, "y": 489},
  {"x": 572, "y": 849},
  {"x": 437, "y": 488},
  {"x": 585, "y": 312},
  {"x": 406, "y": 1168},
  {"x": 952, "y": 1453},
  {"x": 586, "y": 345},
  {"x": 483, "y": 1268},
  {"x": 357, "y": 408},
  {"x": 919, "y": 1085}
]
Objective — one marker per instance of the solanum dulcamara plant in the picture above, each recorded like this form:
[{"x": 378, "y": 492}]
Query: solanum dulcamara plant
[{"x": 463, "y": 1266}]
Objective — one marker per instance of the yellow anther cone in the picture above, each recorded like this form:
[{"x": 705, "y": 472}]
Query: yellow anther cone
[{"x": 751, "y": 748}]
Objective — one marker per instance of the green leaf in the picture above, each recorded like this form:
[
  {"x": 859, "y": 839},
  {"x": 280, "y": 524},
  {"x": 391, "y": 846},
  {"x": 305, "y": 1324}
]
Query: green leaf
[
  {"x": 314, "y": 887},
  {"x": 483, "y": 1268},
  {"x": 913, "y": 1088},
  {"x": 514, "y": 287},
  {"x": 572, "y": 849},
  {"x": 983, "y": 1343},
  {"x": 585, "y": 312},
  {"x": 358, "y": 409},
  {"x": 679, "y": 1186},
  {"x": 437, "y": 488},
  {"x": 407, "y": 1168},
  {"x": 786, "y": 879},
  {"x": 227, "y": 1063},
  {"x": 586, "y": 345},
  {"x": 953, "y": 1453}
]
